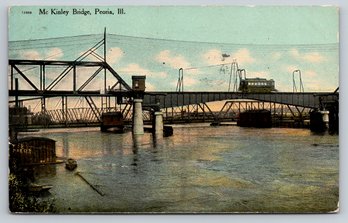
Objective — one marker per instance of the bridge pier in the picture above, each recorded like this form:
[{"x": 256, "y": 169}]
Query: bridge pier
[
  {"x": 158, "y": 127},
  {"x": 325, "y": 115},
  {"x": 138, "y": 123},
  {"x": 319, "y": 121}
]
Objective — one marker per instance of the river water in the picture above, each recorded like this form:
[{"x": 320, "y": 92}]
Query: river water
[{"x": 198, "y": 169}]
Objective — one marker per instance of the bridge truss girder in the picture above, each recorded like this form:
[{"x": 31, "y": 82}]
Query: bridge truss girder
[
  {"x": 201, "y": 112},
  {"x": 68, "y": 68},
  {"x": 188, "y": 113},
  {"x": 176, "y": 99},
  {"x": 232, "y": 109}
]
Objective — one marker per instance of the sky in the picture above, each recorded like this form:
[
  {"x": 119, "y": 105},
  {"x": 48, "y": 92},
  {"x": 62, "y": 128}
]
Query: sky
[{"x": 268, "y": 42}]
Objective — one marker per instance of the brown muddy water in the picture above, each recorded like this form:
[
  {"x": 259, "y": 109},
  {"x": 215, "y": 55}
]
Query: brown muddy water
[{"x": 200, "y": 169}]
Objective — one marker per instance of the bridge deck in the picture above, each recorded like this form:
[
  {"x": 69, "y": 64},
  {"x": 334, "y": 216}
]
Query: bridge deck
[{"x": 174, "y": 99}]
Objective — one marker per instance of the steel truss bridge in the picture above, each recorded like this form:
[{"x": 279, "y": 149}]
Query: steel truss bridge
[{"x": 177, "y": 106}]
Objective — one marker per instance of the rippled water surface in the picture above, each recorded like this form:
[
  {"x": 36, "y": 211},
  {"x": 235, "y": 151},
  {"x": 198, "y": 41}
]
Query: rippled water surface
[{"x": 199, "y": 169}]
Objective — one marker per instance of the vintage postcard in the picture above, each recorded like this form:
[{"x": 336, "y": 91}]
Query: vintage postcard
[{"x": 173, "y": 109}]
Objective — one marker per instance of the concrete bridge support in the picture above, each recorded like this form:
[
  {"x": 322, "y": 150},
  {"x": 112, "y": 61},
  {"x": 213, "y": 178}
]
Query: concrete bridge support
[
  {"x": 325, "y": 118},
  {"x": 138, "y": 124},
  {"x": 158, "y": 128}
]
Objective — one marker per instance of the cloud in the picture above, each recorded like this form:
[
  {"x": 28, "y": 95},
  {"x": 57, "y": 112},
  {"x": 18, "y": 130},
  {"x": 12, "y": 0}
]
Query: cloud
[
  {"x": 90, "y": 57},
  {"x": 214, "y": 57},
  {"x": 150, "y": 87},
  {"x": 82, "y": 75},
  {"x": 136, "y": 69},
  {"x": 192, "y": 71},
  {"x": 188, "y": 82},
  {"x": 159, "y": 74},
  {"x": 313, "y": 57},
  {"x": 294, "y": 53},
  {"x": 317, "y": 85},
  {"x": 54, "y": 54},
  {"x": 259, "y": 74},
  {"x": 172, "y": 60},
  {"x": 65, "y": 83},
  {"x": 114, "y": 54},
  {"x": 166, "y": 57},
  {"x": 305, "y": 73},
  {"x": 312, "y": 80},
  {"x": 290, "y": 68},
  {"x": 30, "y": 55},
  {"x": 309, "y": 74},
  {"x": 215, "y": 84},
  {"x": 276, "y": 56},
  {"x": 243, "y": 56}
]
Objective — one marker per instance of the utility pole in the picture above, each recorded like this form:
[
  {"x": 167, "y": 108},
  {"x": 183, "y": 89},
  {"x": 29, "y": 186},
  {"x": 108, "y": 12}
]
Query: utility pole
[
  {"x": 105, "y": 60},
  {"x": 294, "y": 87},
  {"x": 180, "y": 83},
  {"x": 233, "y": 75}
]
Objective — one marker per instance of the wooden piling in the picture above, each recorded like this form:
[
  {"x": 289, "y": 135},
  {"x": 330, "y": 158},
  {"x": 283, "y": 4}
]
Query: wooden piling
[{"x": 91, "y": 185}]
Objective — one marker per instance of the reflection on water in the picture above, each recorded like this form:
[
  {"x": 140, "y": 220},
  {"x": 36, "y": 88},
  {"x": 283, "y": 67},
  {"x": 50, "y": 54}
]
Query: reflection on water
[
  {"x": 65, "y": 145},
  {"x": 198, "y": 169}
]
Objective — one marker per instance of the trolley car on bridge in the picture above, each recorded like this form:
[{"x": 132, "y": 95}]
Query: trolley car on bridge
[{"x": 256, "y": 85}]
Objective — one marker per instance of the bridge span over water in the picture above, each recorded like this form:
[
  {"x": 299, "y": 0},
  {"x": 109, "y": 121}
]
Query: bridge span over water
[
  {"x": 175, "y": 99},
  {"x": 41, "y": 80},
  {"x": 119, "y": 97},
  {"x": 121, "y": 89}
]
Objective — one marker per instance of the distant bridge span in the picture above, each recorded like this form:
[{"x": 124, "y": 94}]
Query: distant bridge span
[{"x": 175, "y": 99}]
